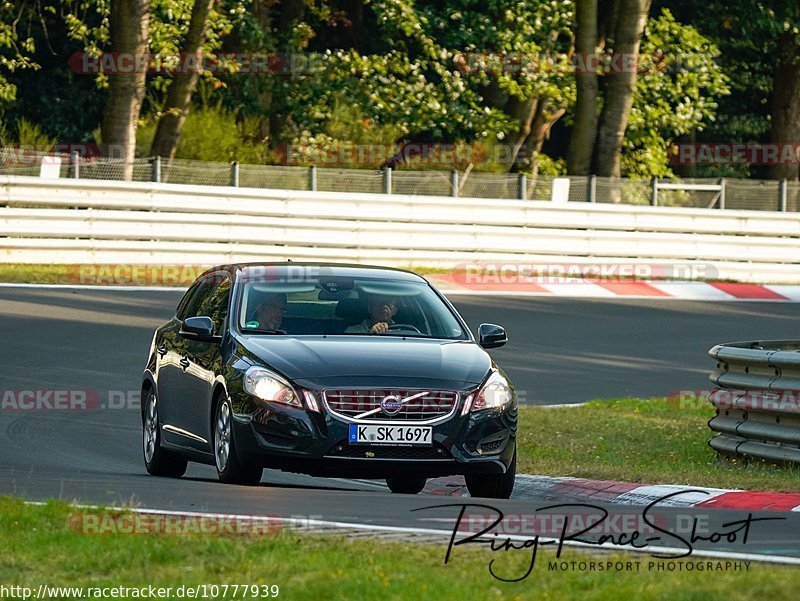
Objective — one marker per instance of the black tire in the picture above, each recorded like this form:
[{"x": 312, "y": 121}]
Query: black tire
[
  {"x": 158, "y": 461},
  {"x": 493, "y": 486},
  {"x": 230, "y": 469},
  {"x": 406, "y": 485}
]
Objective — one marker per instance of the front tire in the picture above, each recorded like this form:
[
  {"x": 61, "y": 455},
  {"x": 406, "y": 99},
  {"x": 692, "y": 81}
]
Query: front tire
[
  {"x": 158, "y": 461},
  {"x": 493, "y": 486},
  {"x": 229, "y": 469},
  {"x": 407, "y": 485}
]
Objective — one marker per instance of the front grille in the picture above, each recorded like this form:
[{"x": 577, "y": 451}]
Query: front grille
[
  {"x": 353, "y": 403},
  {"x": 345, "y": 451}
]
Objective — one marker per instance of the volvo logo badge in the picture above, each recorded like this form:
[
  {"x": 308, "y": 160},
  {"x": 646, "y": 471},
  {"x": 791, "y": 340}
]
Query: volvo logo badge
[{"x": 391, "y": 405}]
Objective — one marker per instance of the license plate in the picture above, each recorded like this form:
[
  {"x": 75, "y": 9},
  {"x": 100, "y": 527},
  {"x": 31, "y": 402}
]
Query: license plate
[{"x": 391, "y": 435}]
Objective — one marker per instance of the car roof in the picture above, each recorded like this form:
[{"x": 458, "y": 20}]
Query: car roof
[{"x": 328, "y": 269}]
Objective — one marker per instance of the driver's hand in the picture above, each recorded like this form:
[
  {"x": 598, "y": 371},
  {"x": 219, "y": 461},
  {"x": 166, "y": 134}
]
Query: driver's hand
[{"x": 380, "y": 327}]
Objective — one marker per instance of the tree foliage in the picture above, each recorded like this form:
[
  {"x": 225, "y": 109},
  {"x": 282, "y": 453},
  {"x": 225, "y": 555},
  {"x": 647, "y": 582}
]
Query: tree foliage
[{"x": 496, "y": 72}]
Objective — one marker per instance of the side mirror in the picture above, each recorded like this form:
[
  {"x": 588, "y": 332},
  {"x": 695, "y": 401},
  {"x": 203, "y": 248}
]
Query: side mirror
[
  {"x": 199, "y": 328},
  {"x": 491, "y": 335}
]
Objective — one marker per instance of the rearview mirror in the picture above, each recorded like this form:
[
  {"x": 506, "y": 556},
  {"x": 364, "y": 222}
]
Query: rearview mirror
[
  {"x": 491, "y": 335},
  {"x": 199, "y": 328}
]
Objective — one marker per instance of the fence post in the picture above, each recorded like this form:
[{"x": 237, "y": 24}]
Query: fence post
[
  {"x": 75, "y": 165},
  {"x": 784, "y": 194},
  {"x": 592, "y": 188},
  {"x": 654, "y": 195},
  {"x": 156, "y": 170},
  {"x": 722, "y": 193},
  {"x": 523, "y": 186},
  {"x": 387, "y": 180},
  {"x": 312, "y": 178},
  {"x": 454, "y": 182},
  {"x": 235, "y": 174}
]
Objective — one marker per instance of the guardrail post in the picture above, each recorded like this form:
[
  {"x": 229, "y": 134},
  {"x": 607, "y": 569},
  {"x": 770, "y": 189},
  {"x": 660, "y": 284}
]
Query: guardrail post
[
  {"x": 156, "y": 178},
  {"x": 523, "y": 186},
  {"x": 722, "y": 193},
  {"x": 312, "y": 178},
  {"x": 387, "y": 180},
  {"x": 592, "y": 188},
  {"x": 784, "y": 193},
  {"x": 654, "y": 194},
  {"x": 235, "y": 174},
  {"x": 75, "y": 165},
  {"x": 454, "y": 182}
]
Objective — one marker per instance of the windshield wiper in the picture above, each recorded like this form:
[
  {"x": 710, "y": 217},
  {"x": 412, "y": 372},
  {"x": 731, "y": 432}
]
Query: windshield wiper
[{"x": 263, "y": 331}]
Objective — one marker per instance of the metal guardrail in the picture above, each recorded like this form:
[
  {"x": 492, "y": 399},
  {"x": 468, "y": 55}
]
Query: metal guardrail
[
  {"x": 718, "y": 193},
  {"x": 84, "y": 221},
  {"x": 758, "y": 400}
]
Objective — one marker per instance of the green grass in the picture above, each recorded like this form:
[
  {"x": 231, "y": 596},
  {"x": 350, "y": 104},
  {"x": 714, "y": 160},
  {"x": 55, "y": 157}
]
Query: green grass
[
  {"x": 651, "y": 441},
  {"x": 40, "y": 547},
  {"x": 24, "y": 273},
  {"x": 34, "y": 274}
]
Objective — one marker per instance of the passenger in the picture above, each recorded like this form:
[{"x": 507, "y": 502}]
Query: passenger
[{"x": 381, "y": 311}]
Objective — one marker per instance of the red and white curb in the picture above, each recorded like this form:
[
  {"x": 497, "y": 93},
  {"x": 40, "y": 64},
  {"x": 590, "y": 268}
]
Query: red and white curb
[
  {"x": 448, "y": 284},
  {"x": 703, "y": 291},
  {"x": 630, "y": 494}
]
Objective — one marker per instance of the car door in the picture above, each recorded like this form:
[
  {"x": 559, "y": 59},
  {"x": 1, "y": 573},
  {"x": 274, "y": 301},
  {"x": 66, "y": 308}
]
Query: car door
[
  {"x": 203, "y": 361},
  {"x": 170, "y": 352}
]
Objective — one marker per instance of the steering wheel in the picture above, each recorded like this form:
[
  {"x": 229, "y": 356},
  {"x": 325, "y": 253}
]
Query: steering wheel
[{"x": 404, "y": 326}]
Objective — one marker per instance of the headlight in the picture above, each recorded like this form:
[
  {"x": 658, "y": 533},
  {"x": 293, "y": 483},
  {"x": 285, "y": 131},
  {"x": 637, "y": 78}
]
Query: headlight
[
  {"x": 268, "y": 386},
  {"x": 494, "y": 394}
]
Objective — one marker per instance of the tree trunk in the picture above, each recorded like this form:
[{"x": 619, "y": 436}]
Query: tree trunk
[
  {"x": 523, "y": 111},
  {"x": 283, "y": 18},
  {"x": 128, "y": 23},
  {"x": 584, "y": 130},
  {"x": 539, "y": 130},
  {"x": 179, "y": 95},
  {"x": 620, "y": 85},
  {"x": 785, "y": 107}
]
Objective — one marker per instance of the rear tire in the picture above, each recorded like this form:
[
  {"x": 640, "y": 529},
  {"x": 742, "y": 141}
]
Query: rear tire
[
  {"x": 406, "y": 485},
  {"x": 493, "y": 486},
  {"x": 158, "y": 461},
  {"x": 229, "y": 469}
]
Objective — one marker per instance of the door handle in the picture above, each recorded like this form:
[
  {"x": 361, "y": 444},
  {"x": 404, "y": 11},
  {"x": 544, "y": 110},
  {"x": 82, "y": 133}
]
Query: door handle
[
  {"x": 185, "y": 363},
  {"x": 162, "y": 350}
]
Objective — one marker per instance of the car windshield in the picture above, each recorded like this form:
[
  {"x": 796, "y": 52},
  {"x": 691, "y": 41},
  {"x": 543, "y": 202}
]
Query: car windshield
[{"x": 345, "y": 306}]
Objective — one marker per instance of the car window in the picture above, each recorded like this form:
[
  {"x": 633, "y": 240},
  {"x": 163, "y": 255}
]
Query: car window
[
  {"x": 216, "y": 305},
  {"x": 211, "y": 300},
  {"x": 341, "y": 306},
  {"x": 180, "y": 312}
]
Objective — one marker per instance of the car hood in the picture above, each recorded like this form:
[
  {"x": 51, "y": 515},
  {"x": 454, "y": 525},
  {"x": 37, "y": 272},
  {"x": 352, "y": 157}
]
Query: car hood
[{"x": 322, "y": 362}]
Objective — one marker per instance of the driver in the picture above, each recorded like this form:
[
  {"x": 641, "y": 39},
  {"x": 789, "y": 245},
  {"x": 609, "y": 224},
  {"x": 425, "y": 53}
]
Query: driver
[
  {"x": 270, "y": 311},
  {"x": 381, "y": 311}
]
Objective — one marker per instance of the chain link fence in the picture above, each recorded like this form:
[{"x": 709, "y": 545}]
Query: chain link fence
[{"x": 747, "y": 194}]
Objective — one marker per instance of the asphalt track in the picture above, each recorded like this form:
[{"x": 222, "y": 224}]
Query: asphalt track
[{"x": 561, "y": 351}]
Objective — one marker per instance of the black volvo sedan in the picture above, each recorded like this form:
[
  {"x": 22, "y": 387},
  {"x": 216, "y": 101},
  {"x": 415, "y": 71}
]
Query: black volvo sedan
[{"x": 328, "y": 370}]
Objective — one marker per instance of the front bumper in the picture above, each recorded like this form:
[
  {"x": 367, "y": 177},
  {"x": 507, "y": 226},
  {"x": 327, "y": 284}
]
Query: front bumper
[{"x": 288, "y": 438}]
